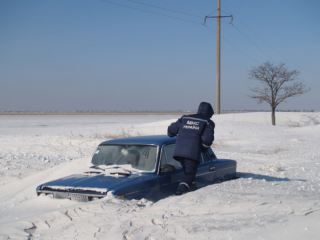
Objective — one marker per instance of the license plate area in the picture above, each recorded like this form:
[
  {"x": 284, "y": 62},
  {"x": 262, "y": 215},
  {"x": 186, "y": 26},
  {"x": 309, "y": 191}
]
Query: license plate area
[{"x": 71, "y": 196}]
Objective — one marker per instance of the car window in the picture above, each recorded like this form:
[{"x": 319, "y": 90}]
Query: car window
[
  {"x": 141, "y": 157},
  {"x": 208, "y": 155},
  {"x": 167, "y": 156}
]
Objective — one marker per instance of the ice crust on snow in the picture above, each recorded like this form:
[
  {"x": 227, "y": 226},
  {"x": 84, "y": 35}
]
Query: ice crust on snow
[{"x": 276, "y": 197}]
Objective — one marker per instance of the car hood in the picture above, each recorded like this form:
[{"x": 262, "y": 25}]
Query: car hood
[{"x": 88, "y": 183}]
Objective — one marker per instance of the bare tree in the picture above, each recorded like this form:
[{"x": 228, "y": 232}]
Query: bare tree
[{"x": 278, "y": 84}]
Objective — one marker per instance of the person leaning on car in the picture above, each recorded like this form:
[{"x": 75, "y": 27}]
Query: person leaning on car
[{"x": 195, "y": 133}]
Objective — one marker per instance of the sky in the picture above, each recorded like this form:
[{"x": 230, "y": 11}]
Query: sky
[{"x": 151, "y": 55}]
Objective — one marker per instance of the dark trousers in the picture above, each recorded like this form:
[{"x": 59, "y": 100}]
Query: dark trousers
[{"x": 190, "y": 169}]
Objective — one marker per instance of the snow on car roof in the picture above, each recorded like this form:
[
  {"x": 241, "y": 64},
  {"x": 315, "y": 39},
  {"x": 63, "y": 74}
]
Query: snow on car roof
[{"x": 152, "y": 139}]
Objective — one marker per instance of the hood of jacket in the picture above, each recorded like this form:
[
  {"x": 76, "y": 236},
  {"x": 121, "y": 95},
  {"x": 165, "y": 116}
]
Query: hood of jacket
[{"x": 205, "y": 109}]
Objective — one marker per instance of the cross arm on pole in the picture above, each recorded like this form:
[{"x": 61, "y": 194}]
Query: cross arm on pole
[{"x": 226, "y": 16}]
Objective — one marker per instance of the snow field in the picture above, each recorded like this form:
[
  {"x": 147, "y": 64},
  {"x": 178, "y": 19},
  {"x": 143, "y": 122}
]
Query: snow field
[{"x": 276, "y": 197}]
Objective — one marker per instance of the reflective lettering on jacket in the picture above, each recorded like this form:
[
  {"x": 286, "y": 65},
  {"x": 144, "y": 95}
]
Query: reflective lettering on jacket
[{"x": 193, "y": 125}]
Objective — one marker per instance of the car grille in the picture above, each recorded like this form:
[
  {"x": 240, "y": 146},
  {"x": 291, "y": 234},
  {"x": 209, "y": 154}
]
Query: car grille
[{"x": 72, "y": 196}]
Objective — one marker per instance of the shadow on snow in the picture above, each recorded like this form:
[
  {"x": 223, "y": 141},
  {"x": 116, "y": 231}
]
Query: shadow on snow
[{"x": 266, "y": 178}]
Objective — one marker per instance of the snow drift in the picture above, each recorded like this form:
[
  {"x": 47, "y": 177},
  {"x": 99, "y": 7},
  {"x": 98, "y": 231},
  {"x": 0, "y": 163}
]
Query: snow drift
[{"x": 276, "y": 197}]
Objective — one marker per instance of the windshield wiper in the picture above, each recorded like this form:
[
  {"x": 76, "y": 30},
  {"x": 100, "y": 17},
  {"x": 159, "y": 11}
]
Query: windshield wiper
[
  {"x": 97, "y": 167},
  {"x": 121, "y": 173},
  {"x": 122, "y": 170}
]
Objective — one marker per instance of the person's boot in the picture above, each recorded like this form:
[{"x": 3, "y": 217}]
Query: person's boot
[
  {"x": 193, "y": 186},
  {"x": 182, "y": 188}
]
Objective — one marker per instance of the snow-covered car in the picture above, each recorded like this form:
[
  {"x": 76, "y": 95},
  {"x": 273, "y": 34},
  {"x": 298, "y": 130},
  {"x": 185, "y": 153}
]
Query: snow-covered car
[{"x": 134, "y": 168}]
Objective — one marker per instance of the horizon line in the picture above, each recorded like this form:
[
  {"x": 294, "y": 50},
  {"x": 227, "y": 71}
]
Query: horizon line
[{"x": 176, "y": 112}]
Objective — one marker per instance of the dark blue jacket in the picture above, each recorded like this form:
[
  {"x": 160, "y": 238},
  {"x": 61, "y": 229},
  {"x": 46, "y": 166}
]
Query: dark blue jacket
[{"x": 194, "y": 133}]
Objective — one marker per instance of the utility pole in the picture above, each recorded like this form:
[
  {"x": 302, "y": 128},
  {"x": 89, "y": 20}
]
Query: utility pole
[
  {"x": 218, "y": 56},
  {"x": 218, "y": 63}
]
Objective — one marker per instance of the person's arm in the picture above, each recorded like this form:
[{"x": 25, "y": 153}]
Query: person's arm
[
  {"x": 173, "y": 129},
  {"x": 207, "y": 136}
]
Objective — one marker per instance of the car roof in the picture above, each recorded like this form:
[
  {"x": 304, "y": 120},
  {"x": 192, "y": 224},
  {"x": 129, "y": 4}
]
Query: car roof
[{"x": 148, "y": 140}]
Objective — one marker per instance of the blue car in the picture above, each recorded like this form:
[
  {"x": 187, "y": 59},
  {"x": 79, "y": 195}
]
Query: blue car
[{"x": 135, "y": 168}]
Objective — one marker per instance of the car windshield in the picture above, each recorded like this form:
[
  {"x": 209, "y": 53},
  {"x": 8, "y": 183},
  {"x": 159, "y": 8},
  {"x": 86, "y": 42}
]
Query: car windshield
[{"x": 140, "y": 157}]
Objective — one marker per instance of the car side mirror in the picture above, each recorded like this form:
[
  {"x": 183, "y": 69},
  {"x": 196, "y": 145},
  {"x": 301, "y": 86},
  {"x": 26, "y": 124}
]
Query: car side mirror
[{"x": 167, "y": 168}]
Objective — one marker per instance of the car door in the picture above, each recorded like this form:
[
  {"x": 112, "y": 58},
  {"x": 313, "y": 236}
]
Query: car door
[
  {"x": 206, "y": 168},
  {"x": 170, "y": 171}
]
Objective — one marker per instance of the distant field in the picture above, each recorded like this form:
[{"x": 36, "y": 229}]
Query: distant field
[
  {"x": 144, "y": 112},
  {"x": 92, "y": 113}
]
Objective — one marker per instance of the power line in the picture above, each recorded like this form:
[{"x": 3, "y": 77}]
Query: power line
[
  {"x": 254, "y": 59},
  {"x": 122, "y": 5},
  {"x": 254, "y": 43},
  {"x": 231, "y": 45},
  {"x": 262, "y": 51},
  {"x": 165, "y": 8}
]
